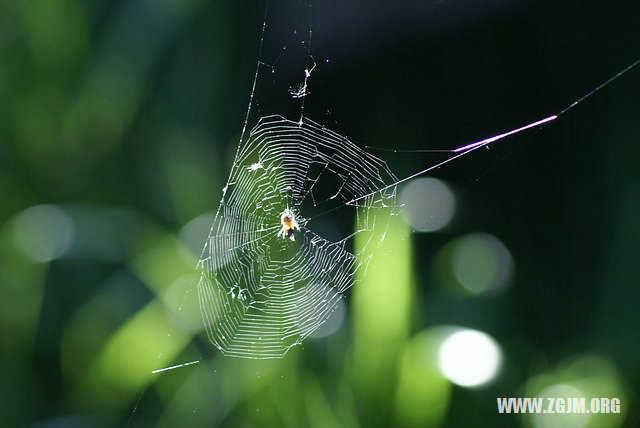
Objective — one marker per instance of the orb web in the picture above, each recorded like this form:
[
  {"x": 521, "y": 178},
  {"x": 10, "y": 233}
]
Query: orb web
[{"x": 260, "y": 294}]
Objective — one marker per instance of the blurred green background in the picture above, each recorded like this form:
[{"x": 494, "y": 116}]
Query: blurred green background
[{"x": 118, "y": 125}]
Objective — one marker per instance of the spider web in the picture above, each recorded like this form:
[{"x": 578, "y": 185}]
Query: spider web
[{"x": 259, "y": 294}]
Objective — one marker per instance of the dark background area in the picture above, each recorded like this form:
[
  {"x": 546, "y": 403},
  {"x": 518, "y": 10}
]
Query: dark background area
[{"x": 118, "y": 125}]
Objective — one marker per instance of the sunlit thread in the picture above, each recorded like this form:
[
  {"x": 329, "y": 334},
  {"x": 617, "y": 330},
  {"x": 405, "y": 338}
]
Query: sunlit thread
[
  {"x": 177, "y": 366},
  {"x": 473, "y": 146},
  {"x": 563, "y": 111},
  {"x": 600, "y": 86},
  {"x": 461, "y": 152},
  {"x": 506, "y": 134}
]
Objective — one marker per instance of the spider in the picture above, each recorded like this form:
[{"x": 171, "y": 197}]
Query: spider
[{"x": 289, "y": 225}]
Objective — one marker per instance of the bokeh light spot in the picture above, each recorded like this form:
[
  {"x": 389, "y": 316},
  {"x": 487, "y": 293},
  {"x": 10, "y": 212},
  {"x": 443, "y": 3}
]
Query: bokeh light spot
[
  {"x": 580, "y": 377},
  {"x": 181, "y": 303},
  {"x": 469, "y": 358},
  {"x": 429, "y": 204},
  {"x": 333, "y": 323},
  {"x": 193, "y": 234},
  {"x": 563, "y": 416},
  {"x": 480, "y": 262},
  {"x": 44, "y": 232}
]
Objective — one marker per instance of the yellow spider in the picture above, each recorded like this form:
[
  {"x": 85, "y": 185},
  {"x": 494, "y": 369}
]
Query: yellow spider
[{"x": 289, "y": 225}]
